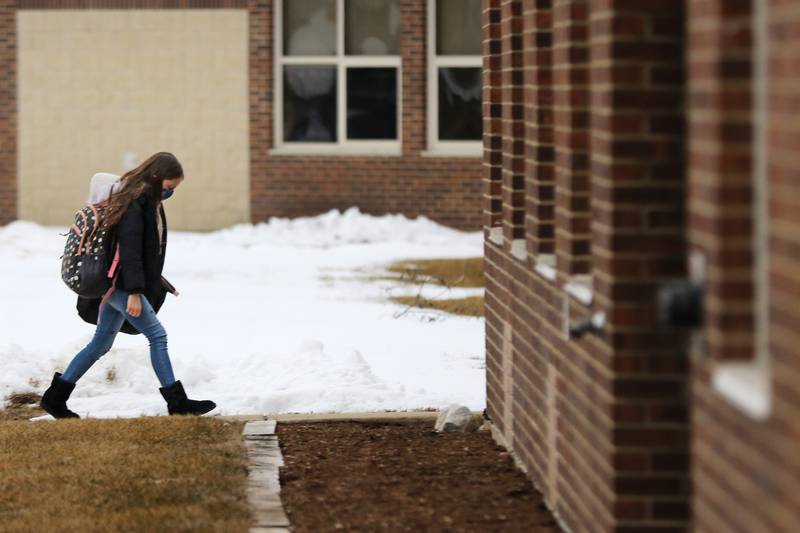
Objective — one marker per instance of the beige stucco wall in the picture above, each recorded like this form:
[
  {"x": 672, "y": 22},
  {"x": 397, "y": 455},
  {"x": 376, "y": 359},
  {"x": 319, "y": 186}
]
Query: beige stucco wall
[{"x": 101, "y": 90}]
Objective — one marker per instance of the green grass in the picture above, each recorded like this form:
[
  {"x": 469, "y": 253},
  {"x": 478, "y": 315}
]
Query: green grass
[{"x": 145, "y": 474}]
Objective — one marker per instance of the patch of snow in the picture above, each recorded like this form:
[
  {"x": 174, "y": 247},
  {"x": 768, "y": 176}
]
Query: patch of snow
[{"x": 260, "y": 326}]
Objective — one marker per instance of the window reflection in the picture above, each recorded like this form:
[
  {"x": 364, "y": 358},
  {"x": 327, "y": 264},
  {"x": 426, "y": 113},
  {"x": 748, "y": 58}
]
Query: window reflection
[
  {"x": 309, "y": 27},
  {"x": 458, "y": 27},
  {"x": 460, "y": 93},
  {"x": 372, "y": 27},
  {"x": 309, "y": 104},
  {"x": 372, "y": 103}
]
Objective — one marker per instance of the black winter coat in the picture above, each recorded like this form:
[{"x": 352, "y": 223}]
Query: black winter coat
[{"x": 140, "y": 264}]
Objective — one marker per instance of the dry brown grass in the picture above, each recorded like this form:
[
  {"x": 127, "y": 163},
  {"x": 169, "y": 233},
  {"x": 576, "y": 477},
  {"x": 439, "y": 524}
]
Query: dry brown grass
[
  {"x": 452, "y": 273},
  {"x": 146, "y": 474},
  {"x": 21, "y": 406},
  {"x": 471, "y": 306},
  {"x": 467, "y": 272}
]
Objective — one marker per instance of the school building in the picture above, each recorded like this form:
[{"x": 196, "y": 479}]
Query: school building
[
  {"x": 642, "y": 223},
  {"x": 274, "y": 107}
]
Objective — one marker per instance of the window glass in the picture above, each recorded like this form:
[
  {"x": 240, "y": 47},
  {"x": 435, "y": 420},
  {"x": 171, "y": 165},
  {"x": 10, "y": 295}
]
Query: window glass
[
  {"x": 460, "y": 104},
  {"x": 372, "y": 27},
  {"x": 309, "y": 103},
  {"x": 372, "y": 103},
  {"x": 309, "y": 27},
  {"x": 458, "y": 27}
]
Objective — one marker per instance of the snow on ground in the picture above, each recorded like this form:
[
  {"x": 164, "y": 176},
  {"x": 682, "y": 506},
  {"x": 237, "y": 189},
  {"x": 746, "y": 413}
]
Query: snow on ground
[{"x": 275, "y": 317}]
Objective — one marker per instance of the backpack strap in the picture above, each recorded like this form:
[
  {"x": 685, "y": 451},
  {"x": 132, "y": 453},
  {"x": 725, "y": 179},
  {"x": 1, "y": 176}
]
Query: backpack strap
[
  {"x": 83, "y": 231},
  {"x": 114, "y": 264},
  {"x": 105, "y": 297},
  {"x": 96, "y": 222},
  {"x": 114, "y": 274}
]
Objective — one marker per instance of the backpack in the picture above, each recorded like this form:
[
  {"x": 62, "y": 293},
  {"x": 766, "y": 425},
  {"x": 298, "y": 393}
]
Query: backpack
[{"x": 87, "y": 265}]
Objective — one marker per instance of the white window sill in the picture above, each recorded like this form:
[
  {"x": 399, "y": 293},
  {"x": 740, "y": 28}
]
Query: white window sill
[
  {"x": 519, "y": 249},
  {"x": 746, "y": 386},
  {"x": 453, "y": 152},
  {"x": 496, "y": 235},
  {"x": 546, "y": 266},
  {"x": 580, "y": 288},
  {"x": 338, "y": 150}
]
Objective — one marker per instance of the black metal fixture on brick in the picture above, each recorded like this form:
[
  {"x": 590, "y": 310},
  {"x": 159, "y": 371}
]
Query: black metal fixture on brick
[
  {"x": 592, "y": 324},
  {"x": 680, "y": 304}
]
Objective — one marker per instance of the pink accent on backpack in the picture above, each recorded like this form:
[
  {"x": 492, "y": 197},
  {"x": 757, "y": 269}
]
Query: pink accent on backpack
[
  {"x": 111, "y": 274},
  {"x": 114, "y": 263}
]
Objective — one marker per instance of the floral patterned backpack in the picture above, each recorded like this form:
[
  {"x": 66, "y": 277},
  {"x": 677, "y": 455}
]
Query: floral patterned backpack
[{"x": 87, "y": 266}]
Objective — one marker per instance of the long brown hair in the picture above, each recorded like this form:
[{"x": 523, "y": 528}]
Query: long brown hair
[{"x": 147, "y": 178}]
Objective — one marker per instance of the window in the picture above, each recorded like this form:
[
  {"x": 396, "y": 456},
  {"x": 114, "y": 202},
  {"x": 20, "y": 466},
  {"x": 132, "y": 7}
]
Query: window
[
  {"x": 337, "y": 73},
  {"x": 454, "y": 77}
]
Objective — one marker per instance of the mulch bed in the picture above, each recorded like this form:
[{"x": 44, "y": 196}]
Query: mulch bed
[{"x": 366, "y": 476}]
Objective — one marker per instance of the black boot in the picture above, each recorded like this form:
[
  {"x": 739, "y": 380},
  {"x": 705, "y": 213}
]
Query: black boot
[
  {"x": 54, "y": 400},
  {"x": 179, "y": 404}
]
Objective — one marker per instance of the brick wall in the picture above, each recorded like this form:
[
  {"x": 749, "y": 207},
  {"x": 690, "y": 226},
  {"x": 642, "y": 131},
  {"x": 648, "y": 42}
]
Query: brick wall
[
  {"x": 571, "y": 130},
  {"x": 539, "y": 155},
  {"x": 446, "y": 189},
  {"x": 599, "y": 422},
  {"x": 492, "y": 116},
  {"x": 746, "y": 469},
  {"x": 513, "y": 115},
  {"x": 8, "y": 112}
]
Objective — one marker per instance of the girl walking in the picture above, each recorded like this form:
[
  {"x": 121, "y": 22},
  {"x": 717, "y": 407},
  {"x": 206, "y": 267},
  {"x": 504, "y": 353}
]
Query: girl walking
[{"x": 135, "y": 209}]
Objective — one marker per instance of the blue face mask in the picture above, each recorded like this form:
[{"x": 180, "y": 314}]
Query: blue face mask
[{"x": 166, "y": 193}]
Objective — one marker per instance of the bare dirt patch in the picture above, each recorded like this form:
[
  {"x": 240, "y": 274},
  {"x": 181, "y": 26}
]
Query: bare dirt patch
[
  {"x": 145, "y": 474},
  {"x": 367, "y": 476}
]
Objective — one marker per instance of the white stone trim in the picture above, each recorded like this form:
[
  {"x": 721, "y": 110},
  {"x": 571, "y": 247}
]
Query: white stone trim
[
  {"x": 580, "y": 288},
  {"x": 350, "y": 149},
  {"x": 545, "y": 266},
  {"x": 745, "y": 385},
  {"x": 455, "y": 149},
  {"x": 519, "y": 249},
  {"x": 496, "y": 235}
]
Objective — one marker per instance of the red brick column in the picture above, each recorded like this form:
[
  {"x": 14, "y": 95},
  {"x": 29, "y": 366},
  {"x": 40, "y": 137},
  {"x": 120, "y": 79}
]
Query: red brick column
[
  {"x": 261, "y": 102},
  {"x": 571, "y": 118},
  {"x": 8, "y": 111},
  {"x": 539, "y": 149},
  {"x": 513, "y": 120},
  {"x": 412, "y": 47},
  {"x": 492, "y": 116},
  {"x": 638, "y": 188}
]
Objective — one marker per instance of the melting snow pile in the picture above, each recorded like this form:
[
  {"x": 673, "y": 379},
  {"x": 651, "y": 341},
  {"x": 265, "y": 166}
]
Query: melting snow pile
[{"x": 272, "y": 318}]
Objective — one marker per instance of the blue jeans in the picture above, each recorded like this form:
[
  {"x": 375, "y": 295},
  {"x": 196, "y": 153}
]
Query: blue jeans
[{"x": 112, "y": 315}]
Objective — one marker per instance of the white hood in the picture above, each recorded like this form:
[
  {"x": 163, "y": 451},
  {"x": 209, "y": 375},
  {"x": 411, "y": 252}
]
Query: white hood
[{"x": 101, "y": 186}]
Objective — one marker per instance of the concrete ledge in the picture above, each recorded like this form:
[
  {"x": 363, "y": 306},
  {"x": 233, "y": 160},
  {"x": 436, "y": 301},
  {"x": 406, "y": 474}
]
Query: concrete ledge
[
  {"x": 263, "y": 481},
  {"x": 396, "y": 417},
  {"x": 369, "y": 416}
]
